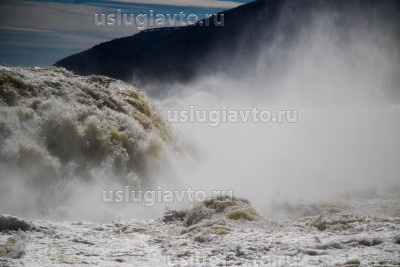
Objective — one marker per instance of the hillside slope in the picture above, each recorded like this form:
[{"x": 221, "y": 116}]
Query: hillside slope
[{"x": 180, "y": 54}]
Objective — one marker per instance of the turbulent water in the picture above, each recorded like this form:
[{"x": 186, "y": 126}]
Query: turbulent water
[
  {"x": 63, "y": 137},
  {"x": 359, "y": 230}
]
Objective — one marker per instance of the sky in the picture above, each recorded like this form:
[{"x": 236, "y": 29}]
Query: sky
[{"x": 39, "y": 33}]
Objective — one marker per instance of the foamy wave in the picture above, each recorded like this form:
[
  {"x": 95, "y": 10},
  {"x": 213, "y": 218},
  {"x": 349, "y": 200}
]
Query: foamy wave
[{"x": 57, "y": 128}]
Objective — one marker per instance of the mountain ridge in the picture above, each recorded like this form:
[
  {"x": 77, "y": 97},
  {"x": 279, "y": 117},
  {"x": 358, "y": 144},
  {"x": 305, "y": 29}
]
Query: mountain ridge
[{"x": 180, "y": 54}]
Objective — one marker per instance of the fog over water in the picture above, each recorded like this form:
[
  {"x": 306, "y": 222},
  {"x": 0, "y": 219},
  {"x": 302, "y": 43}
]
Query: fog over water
[
  {"x": 343, "y": 80},
  {"x": 341, "y": 76}
]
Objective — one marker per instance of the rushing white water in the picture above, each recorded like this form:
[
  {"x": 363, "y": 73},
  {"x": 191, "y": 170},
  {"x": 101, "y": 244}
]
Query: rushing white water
[{"x": 65, "y": 137}]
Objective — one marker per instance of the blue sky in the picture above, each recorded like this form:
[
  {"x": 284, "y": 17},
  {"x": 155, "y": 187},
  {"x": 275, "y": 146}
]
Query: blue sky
[{"x": 38, "y": 33}]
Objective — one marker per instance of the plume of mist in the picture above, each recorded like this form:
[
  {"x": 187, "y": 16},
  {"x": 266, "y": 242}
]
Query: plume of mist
[{"x": 340, "y": 71}]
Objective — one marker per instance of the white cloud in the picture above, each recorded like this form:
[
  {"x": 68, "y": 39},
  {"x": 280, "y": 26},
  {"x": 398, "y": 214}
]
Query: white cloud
[
  {"x": 197, "y": 3},
  {"x": 23, "y": 29},
  {"x": 59, "y": 24}
]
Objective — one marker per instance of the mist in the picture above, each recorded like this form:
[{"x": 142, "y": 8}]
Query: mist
[
  {"x": 340, "y": 73},
  {"x": 271, "y": 139}
]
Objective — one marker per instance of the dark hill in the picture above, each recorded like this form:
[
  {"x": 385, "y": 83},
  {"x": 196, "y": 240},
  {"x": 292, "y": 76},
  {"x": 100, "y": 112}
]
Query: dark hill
[{"x": 177, "y": 54}]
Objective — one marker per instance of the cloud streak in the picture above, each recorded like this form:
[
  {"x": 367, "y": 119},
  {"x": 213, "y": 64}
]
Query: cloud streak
[
  {"x": 195, "y": 3},
  {"x": 24, "y": 29}
]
